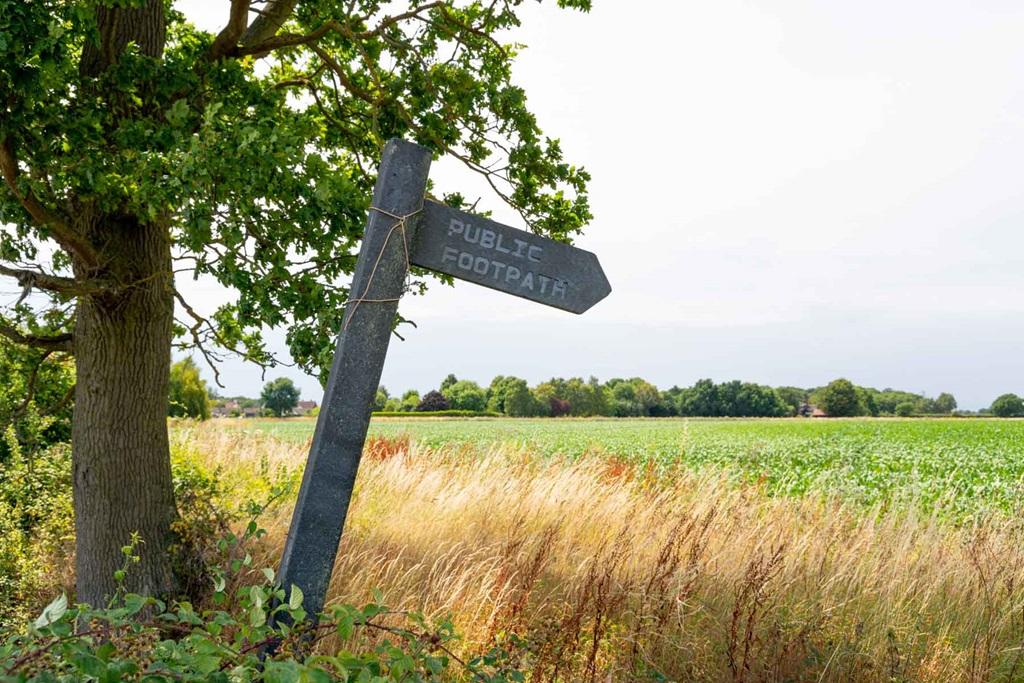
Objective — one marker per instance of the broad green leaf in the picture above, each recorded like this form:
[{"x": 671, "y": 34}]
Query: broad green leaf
[
  {"x": 295, "y": 599},
  {"x": 52, "y": 612}
]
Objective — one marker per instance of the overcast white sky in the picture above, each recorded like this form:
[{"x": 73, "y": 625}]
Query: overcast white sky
[{"x": 784, "y": 192}]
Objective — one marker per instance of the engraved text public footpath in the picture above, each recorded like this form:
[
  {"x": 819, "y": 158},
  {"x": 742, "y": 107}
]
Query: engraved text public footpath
[{"x": 515, "y": 270}]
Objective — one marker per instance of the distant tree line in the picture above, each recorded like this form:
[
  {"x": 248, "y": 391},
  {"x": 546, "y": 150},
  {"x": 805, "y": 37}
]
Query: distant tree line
[
  {"x": 633, "y": 397},
  {"x": 842, "y": 398},
  {"x": 636, "y": 397}
]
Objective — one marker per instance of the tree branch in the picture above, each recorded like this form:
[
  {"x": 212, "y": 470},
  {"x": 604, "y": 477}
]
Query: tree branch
[
  {"x": 30, "y": 390},
  {"x": 276, "y": 42},
  {"x": 30, "y": 386},
  {"x": 62, "y": 233},
  {"x": 30, "y": 279},
  {"x": 203, "y": 329},
  {"x": 228, "y": 38},
  {"x": 62, "y": 403},
  {"x": 342, "y": 76},
  {"x": 57, "y": 342},
  {"x": 269, "y": 22},
  {"x": 390, "y": 21}
]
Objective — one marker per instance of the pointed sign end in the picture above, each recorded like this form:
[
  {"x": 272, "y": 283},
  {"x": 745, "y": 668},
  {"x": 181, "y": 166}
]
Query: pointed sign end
[{"x": 596, "y": 286}]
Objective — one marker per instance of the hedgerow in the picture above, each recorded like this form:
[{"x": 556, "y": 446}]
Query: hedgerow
[
  {"x": 231, "y": 622},
  {"x": 258, "y": 632}
]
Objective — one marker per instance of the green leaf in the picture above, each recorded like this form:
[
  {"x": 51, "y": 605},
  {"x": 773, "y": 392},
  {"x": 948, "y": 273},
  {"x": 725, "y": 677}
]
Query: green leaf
[
  {"x": 314, "y": 676},
  {"x": 52, "y": 612},
  {"x": 295, "y": 599},
  {"x": 134, "y": 604},
  {"x": 90, "y": 665},
  {"x": 207, "y": 664},
  {"x": 178, "y": 113},
  {"x": 257, "y": 616},
  {"x": 105, "y": 650},
  {"x": 256, "y": 596}
]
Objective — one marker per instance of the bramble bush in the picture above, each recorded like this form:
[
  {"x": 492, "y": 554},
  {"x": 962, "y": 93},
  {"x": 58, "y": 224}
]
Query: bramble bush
[
  {"x": 36, "y": 525},
  {"x": 253, "y": 631},
  {"x": 231, "y": 621},
  {"x": 37, "y": 517}
]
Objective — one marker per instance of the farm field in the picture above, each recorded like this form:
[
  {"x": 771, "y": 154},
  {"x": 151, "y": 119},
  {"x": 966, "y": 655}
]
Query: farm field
[
  {"x": 712, "y": 550},
  {"x": 960, "y": 466}
]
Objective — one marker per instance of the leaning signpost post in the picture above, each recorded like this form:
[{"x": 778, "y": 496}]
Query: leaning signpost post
[{"x": 405, "y": 228}]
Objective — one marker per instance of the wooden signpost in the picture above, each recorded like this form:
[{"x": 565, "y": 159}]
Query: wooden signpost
[{"x": 405, "y": 228}]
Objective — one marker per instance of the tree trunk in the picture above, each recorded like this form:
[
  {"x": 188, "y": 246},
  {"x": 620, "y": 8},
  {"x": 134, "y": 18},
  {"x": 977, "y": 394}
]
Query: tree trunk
[
  {"x": 146, "y": 26},
  {"x": 122, "y": 471},
  {"x": 122, "y": 338}
]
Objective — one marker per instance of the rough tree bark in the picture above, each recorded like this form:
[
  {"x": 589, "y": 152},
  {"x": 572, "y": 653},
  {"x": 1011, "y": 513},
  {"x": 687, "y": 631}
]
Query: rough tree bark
[
  {"x": 146, "y": 26},
  {"x": 122, "y": 471},
  {"x": 122, "y": 339}
]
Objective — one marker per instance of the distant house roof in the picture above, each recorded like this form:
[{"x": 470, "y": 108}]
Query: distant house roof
[
  {"x": 306, "y": 405},
  {"x": 818, "y": 412}
]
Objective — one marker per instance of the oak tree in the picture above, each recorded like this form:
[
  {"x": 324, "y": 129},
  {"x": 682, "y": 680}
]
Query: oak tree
[
  {"x": 137, "y": 151},
  {"x": 1008, "y": 405},
  {"x": 841, "y": 399},
  {"x": 945, "y": 404},
  {"x": 465, "y": 394},
  {"x": 280, "y": 396}
]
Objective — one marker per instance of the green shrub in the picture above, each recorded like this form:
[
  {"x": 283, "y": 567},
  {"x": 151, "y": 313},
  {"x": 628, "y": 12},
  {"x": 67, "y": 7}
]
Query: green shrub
[
  {"x": 37, "y": 520},
  {"x": 187, "y": 393},
  {"x": 36, "y": 525},
  {"x": 256, "y": 631},
  {"x": 212, "y": 501},
  {"x": 905, "y": 409},
  {"x": 35, "y": 397}
]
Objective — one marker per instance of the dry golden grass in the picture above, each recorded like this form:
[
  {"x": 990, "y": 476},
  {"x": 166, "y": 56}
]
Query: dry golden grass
[{"x": 610, "y": 574}]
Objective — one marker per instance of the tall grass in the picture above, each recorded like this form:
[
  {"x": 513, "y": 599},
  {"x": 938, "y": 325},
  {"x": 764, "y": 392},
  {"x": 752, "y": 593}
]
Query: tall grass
[{"x": 613, "y": 573}]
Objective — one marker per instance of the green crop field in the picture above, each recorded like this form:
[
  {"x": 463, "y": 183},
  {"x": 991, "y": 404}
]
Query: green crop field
[{"x": 963, "y": 466}]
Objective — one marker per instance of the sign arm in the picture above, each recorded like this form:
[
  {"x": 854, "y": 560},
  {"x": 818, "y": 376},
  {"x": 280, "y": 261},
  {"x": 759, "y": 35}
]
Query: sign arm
[
  {"x": 377, "y": 285},
  {"x": 516, "y": 262}
]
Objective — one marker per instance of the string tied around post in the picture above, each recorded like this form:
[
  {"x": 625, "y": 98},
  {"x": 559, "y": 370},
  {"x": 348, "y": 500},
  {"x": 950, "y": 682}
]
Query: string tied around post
[{"x": 398, "y": 226}]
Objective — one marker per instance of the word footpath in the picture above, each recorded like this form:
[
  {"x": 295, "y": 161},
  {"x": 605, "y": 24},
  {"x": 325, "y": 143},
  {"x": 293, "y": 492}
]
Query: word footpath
[{"x": 513, "y": 261}]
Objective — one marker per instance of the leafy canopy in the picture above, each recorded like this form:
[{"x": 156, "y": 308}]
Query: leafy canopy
[
  {"x": 260, "y": 155},
  {"x": 840, "y": 399},
  {"x": 1008, "y": 405},
  {"x": 432, "y": 401},
  {"x": 280, "y": 396},
  {"x": 188, "y": 395},
  {"x": 465, "y": 394},
  {"x": 35, "y": 397}
]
